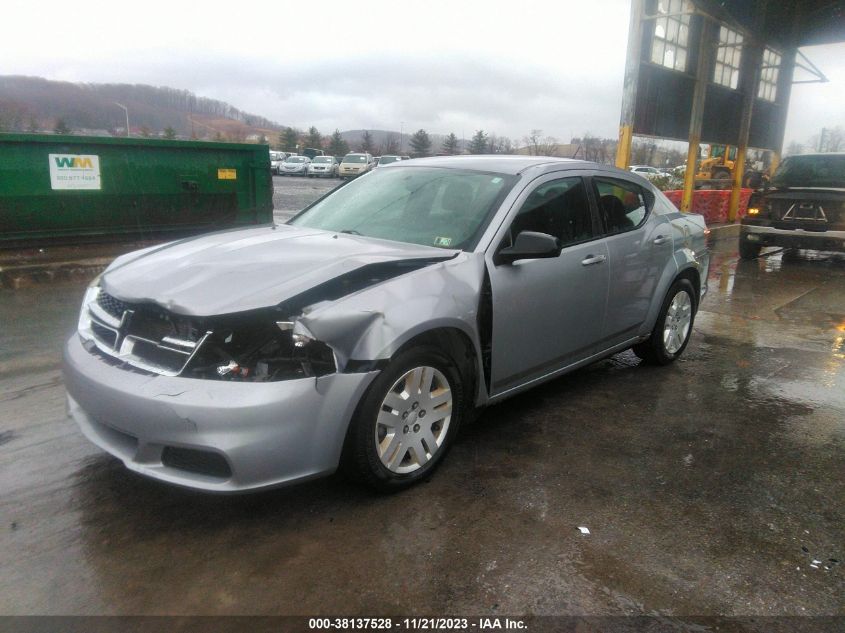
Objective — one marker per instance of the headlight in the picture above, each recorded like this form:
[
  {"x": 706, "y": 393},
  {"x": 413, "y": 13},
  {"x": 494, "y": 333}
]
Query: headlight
[
  {"x": 259, "y": 349},
  {"x": 91, "y": 293}
]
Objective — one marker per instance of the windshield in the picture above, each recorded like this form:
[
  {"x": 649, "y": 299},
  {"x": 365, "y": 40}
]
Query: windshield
[
  {"x": 448, "y": 208},
  {"x": 295, "y": 159},
  {"x": 387, "y": 159},
  {"x": 354, "y": 158},
  {"x": 322, "y": 159},
  {"x": 811, "y": 171}
]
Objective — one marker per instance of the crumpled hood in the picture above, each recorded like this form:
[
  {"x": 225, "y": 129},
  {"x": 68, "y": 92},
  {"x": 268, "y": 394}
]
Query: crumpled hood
[{"x": 235, "y": 271}]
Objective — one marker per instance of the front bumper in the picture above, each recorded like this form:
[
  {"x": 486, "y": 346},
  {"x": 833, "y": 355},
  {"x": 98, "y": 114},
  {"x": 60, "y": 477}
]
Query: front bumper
[
  {"x": 263, "y": 434},
  {"x": 792, "y": 238}
]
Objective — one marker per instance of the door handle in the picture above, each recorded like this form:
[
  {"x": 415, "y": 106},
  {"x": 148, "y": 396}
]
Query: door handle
[
  {"x": 660, "y": 239},
  {"x": 593, "y": 259}
]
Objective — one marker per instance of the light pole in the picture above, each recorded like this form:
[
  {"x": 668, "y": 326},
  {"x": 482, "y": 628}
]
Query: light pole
[
  {"x": 401, "y": 136},
  {"x": 125, "y": 110}
]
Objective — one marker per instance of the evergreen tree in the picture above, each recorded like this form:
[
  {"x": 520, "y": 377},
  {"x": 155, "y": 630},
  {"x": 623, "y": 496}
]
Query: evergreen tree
[
  {"x": 289, "y": 139},
  {"x": 337, "y": 146},
  {"x": 478, "y": 144},
  {"x": 169, "y": 133},
  {"x": 315, "y": 139},
  {"x": 450, "y": 144},
  {"x": 61, "y": 127},
  {"x": 420, "y": 144},
  {"x": 367, "y": 144}
]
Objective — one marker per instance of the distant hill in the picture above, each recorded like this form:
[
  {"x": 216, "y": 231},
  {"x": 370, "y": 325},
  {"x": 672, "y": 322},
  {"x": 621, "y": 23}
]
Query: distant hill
[
  {"x": 382, "y": 137},
  {"x": 36, "y": 104}
]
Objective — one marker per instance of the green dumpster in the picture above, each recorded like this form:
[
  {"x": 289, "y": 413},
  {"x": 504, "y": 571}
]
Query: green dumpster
[{"x": 77, "y": 188}]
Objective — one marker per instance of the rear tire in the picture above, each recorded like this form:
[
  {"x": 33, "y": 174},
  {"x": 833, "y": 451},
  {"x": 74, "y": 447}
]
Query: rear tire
[
  {"x": 747, "y": 250},
  {"x": 673, "y": 328},
  {"x": 406, "y": 421}
]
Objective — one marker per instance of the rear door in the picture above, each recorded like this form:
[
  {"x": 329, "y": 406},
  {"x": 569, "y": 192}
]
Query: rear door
[{"x": 639, "y": 245}]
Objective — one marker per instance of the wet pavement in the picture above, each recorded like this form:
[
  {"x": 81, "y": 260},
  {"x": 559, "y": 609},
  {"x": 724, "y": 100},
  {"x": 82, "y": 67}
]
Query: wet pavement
[{"x": 708, "y": 487}]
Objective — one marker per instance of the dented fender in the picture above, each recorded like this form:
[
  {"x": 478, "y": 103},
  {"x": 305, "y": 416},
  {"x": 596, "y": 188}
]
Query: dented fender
[{"x": 374, "y": 323}]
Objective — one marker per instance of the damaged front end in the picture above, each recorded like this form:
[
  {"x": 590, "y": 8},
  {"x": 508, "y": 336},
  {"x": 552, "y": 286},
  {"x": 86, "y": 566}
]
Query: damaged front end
[{"x": 261, "y": 345}]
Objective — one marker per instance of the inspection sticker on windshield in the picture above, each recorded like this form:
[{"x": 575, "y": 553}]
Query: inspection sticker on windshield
[{"x": 442, "y": 241}]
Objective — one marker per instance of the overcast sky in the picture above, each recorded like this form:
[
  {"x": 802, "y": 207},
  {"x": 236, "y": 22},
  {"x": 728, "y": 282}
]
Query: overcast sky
[{"x": 446, "y": 66}]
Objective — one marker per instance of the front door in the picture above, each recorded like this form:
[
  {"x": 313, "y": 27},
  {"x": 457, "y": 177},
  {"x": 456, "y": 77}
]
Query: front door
[{"x": 548, "y": 313}]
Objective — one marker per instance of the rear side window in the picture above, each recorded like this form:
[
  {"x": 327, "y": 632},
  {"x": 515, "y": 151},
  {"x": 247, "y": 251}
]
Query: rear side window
[
  {"x": 559, "y": 208},
  {"x": 623, "y": 206}
]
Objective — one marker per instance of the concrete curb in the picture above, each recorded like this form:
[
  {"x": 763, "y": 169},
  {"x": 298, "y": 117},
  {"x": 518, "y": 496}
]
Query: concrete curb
[{"x": 27, "y": 275}]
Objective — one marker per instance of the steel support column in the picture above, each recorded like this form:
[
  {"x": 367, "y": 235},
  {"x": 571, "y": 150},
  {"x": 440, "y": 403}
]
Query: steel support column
[
  {"x": 754, "y": 60},
  {"x": 702, "y": 78},
  {"x": 629, "y": 91}
]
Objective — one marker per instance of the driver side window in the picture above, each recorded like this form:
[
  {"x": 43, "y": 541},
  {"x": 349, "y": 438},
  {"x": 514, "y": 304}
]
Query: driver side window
[{"x": 559, "y": 208}]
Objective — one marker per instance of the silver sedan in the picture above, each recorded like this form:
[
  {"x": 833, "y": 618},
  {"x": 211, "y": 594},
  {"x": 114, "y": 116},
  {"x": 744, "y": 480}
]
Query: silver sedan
[{"x": 364, "y": 331}]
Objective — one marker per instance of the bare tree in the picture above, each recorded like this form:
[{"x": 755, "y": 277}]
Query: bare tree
[
  {"x": 533, "y": 141},
  {"x": 390, "y": 145}
]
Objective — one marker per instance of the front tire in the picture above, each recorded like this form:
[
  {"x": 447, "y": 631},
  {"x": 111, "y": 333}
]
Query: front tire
[
  {"x": 406, "y": 422},
  {"x": 673, "y": 328},
  {"x": 747, "y": 250}
]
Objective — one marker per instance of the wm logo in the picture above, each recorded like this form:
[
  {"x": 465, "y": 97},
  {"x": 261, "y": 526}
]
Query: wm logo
[{"x": 73, "y": 161}]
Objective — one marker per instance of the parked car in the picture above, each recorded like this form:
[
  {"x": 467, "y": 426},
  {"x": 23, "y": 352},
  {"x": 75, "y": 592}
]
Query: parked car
[
  {"x": 323, "y": 166},
  {"x": 355, "y": 164},
  {"x": 295, "y": 166},
  {"x": 276, "y": 160},
  {"x": 802, "y": 207},
  {"x": 366, "y": 329},
  {"x": 646, "y": 171},
  {"x": 386, "y": 160}
]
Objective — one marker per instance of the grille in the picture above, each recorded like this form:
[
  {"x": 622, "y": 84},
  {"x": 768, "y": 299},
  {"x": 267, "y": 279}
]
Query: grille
[
  {"x": 114, "y": 307},
  {"x": 106, "y": 335},
  {"x": 150, "y": 339}
]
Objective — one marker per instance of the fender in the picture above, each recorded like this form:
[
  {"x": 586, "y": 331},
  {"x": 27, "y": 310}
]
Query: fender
[{"x": 442, "y": 295}]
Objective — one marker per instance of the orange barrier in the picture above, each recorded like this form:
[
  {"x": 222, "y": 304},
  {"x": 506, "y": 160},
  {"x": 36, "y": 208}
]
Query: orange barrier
[{"x": 712, "y": 203}]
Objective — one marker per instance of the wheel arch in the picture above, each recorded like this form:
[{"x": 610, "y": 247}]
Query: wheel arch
[
  {"x": 457, "y": 344},
  {"x": 687, "y": 268}
]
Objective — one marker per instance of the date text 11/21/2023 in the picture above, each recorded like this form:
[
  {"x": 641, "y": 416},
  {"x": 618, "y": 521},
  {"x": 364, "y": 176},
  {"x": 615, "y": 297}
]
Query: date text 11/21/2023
[{"x": 417, "y": 624}]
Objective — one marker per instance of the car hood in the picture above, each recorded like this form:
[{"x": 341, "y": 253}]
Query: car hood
[{"x": 240, "y": 270}]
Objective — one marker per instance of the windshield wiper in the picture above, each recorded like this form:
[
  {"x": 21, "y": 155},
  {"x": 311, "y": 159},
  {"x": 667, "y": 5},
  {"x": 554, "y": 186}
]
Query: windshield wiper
[{"x": 350, "y": 232}]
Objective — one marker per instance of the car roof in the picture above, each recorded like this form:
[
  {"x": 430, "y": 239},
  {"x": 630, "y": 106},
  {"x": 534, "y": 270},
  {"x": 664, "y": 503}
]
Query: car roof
[{"x": 499, "y": 163}]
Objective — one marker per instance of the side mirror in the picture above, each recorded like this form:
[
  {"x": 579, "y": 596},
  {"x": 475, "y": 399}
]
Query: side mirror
[{"x": 530, "y": 245}]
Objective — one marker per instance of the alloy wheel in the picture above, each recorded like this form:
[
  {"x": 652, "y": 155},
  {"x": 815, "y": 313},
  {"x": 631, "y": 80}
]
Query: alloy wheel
[{"x": 676, "y": 327}]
